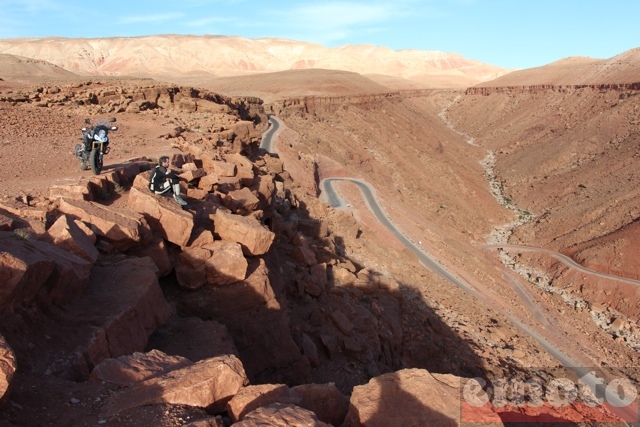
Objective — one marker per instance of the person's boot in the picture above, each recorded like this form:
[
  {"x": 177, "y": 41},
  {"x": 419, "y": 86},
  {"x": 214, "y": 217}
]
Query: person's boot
[{"x": 176, "y": 195}]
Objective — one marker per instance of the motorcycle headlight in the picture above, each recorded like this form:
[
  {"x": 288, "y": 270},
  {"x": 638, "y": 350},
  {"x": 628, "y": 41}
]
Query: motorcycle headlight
[{"x": 101, "y": 136}]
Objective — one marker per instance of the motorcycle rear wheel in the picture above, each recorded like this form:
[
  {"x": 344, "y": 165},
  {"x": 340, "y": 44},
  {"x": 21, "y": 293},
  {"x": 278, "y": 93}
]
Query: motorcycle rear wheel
[{"x": 95, "y": 160}]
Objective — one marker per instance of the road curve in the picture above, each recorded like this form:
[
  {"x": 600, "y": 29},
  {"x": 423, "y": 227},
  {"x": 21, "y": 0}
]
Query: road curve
[
  {"x": 565, "y": 259},
  {"x": 267, "y": 137},
  {"x": 333, "y": 199},
  {"x": 368, "y": 193}
]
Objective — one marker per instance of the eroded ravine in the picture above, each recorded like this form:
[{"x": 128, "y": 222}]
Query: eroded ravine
[{"x": 333, "y": 198}]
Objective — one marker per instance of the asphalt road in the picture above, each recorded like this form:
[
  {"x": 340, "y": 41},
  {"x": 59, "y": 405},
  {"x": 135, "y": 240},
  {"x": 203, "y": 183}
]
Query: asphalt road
[
  {"x": 267, "y": 137},
  {"x": 566, "y": 260}
]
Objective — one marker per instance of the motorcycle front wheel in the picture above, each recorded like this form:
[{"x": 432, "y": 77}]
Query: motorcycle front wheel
[{"x": 95, "y": 160}]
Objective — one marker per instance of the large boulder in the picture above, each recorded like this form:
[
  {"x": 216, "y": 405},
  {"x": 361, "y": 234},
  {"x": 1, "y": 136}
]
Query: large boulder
[
  {"x": 210, "y": 383},
  {"x": 218, "y": 263},
  {"x": 122, "y": 229},
  {"x": 162, "y": 213},
  {"x": 410, "y": 397},
  {"x": 241, "y": 201},
  {"x": 265, "y": 188},
  {"x": 244, "y": 169},
  {"x": 78, "y": 191},
  {"x": 220, "y": 168},
  {"x": 68, "y": 235},
  {"x": 324, "y": 400},
  {"x": 253, "y": 397},
  {"x": 208, "y": 182},
  {"x": 126, "y": 299},
  {"x": 29, "y": 268},
  {"x": 255, "y": 238}
]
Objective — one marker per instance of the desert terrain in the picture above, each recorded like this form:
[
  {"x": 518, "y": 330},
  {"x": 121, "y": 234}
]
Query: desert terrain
[{"x": 329, "y": 304}]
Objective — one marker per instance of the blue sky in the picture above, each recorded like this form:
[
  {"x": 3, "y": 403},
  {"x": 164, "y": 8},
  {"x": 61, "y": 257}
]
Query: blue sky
[{"x": 506, "y": 33}]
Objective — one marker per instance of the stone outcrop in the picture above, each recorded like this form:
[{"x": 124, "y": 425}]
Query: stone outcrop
[
  {"x": 210, "y": 383},
  {"x": 411, "y": 397},
  {"x": 254, "y": 238},
  {"x": 68, "y": 235},
  {"x": 324, "y": 400},
  {"x": 218, "y": 263},
  {"x": 241, "y": 201},
  {"x": 31, "y": 268},
  {"x": 122, "y": 229},
  {"x": 162, "y": 214}
]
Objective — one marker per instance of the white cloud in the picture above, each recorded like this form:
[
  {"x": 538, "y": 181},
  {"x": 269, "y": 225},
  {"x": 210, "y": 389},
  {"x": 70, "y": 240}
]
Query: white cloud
[{"x": 161, "y": 17}]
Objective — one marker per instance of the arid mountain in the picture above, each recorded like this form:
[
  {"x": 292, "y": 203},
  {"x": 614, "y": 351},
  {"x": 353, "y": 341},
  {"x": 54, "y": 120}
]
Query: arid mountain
[
  {"x": 219, "y": 56},
  {"x": 621, "y": 69}
]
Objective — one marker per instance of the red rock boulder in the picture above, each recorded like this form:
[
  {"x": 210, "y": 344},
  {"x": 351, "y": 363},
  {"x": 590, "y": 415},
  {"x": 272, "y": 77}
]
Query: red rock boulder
[
  {"x": 29, "y": 268},
  {"x": 218, "y": 263},
  {"x": 66, "y": 234},
  {"x": 254, "y": 238},
  {"x": 210, "y": 383},
  {"x": 410, "y": 397},
  {"x": 163, "y": 215}
]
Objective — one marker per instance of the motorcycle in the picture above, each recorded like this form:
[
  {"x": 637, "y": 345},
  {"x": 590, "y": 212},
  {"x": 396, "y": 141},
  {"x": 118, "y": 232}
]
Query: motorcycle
[{"x": 95, "y": 144}]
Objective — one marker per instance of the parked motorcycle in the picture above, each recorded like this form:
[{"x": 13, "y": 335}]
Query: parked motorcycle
[{"x": 95, "y": 144}]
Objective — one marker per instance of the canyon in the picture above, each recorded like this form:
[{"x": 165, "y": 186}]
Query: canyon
[{"x": 480, "y": 173}]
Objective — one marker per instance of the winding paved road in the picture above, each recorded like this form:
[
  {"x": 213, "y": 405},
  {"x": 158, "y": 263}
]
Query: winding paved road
[
  {"x": 267, "y": 137},
  {"x": 329, "y": 194},
  {"x": 565, "y": 259}
]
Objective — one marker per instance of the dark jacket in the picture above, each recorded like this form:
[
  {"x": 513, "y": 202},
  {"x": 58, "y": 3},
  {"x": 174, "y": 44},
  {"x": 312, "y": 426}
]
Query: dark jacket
[{"x": 158, "y": 176}]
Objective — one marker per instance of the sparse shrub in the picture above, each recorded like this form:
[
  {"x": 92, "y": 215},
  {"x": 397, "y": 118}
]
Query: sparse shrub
[{"x": 22, "y": 234}]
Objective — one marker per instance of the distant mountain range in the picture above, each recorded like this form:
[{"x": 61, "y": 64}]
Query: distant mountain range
[{"x": 161, "y": 56}]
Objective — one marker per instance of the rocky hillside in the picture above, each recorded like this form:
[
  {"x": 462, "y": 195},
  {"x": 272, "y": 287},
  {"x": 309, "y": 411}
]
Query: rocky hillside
[
  {"x": 204, "y": 57},
  {"x": 118, "y": 307}
]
